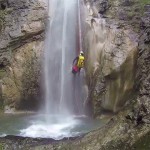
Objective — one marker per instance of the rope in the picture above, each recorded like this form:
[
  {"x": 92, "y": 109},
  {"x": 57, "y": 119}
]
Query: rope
[{"x": 80, "y": 32}]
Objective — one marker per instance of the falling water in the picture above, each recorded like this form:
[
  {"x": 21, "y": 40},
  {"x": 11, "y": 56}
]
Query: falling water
[{"x": 63, "y": 90}]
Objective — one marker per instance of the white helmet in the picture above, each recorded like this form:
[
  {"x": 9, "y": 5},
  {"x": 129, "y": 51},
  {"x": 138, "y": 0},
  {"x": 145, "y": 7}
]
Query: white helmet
[{"x": 81, "y": 52}]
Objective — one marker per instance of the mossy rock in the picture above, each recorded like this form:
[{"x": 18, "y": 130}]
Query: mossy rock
[
  {"x": 143, "y": 143},
  {"x": 1, "y": 146},
  {"x": 2, "y": 73},
  {"x": 1, "y": 105}
]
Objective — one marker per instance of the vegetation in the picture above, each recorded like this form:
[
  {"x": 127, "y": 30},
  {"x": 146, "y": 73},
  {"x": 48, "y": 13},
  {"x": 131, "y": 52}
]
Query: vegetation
[
  {"x": 135, "y": 12},
  {"x": 142, "y": 5},
  {"x": 2, "y": 73},
  {"x": 3, "y": 13},
  {"x": 144, "y": 2},
  {"x": 1, "y": 146},
  {"x": 143, "y": 143},
  {"x": 2, "y": 17},
  {"x": 1, "y": 105}
]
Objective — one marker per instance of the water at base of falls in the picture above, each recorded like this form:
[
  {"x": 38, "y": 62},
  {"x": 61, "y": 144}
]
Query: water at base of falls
[{"x": 33, "y": 125}]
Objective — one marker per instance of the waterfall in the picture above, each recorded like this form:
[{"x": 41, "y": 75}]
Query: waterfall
[
  {"x": 62, "y": 106},
  {"x": 79, "y": 24},
  {"x": 63, "y": 115},
  {"x": 63, "y": 91}
]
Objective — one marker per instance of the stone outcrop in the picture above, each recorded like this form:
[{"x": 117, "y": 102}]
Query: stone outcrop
[
  {"x": 22, "y": 20},
  {"x": 21, "y": 46},
  {"x": 98, "y": 6},
  {"x": 21, "y": 85},
  {"x": 111, "y": 63},
  {"x": 143, "y": 73}
]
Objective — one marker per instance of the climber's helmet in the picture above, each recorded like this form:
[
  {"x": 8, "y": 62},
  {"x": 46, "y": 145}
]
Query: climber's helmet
[{"x": 81, "y": 53}]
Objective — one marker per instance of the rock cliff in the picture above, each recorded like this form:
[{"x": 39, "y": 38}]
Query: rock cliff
[
  {"x": 111, "y": 43},
  {"x": 21, "y": 46}
]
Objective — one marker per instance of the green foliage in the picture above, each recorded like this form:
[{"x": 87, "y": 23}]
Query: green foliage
[
  {"x": 131, "y": 14},
  {"x": 143, "y": 143},
  {"x": 1, "y": 146},
  {"x": 144, "y": 2},
  {"x": 2, "y": 17},
  {"x": 3, "y": 13},
  {"x": 2, "y": 73},
  {"x": 1, "y": 107}
]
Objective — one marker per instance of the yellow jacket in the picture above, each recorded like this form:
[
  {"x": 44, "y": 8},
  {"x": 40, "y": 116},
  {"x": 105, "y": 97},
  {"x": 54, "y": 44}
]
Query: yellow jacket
[{"x": 80, "y": 62}]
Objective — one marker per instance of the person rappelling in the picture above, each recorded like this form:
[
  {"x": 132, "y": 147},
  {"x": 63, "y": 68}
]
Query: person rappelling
[{"x": 78, "y": 63}]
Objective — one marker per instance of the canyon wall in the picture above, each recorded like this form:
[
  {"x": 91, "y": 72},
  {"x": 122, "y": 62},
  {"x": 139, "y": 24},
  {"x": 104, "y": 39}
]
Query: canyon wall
[
  {"x": 21, "y": 47},
  {"x": 111, "y": 44}
]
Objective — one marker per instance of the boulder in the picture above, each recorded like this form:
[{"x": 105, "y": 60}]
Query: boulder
[
  {"x": 111, "y": 54},
  {"x": 21, "y": 86}
]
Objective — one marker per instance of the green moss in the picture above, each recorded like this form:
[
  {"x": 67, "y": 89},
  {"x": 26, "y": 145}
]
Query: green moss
[
  {"x": 1, "y": 146},
  {"x": 140, "y": 4},
  {"x": 131, "y": 14},
  {"x": 1, "y": 106},
  {"x": 2, "y": 73},
  {"x": 144, "y": 2},
  {"x": 2, "y": 17},
  {"x": 3, "y": 13},
  {"x": 143, "y": 143}
]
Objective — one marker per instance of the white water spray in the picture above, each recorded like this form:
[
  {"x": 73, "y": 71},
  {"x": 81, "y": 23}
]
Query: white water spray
[
  {"x": 63, "y": 57},
  {"x": 63, "y": 91}
]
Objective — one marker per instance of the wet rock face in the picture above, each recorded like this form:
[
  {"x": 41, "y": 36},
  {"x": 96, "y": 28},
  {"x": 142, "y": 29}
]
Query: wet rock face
[
  {"x": 3, "y": 5},
  {"x": 98, "y": 6},
  {"x": 111, "y": 64},
  {"x": 21, "y": 86},
  {"x": 112, "y": 48},
  {"x": 22, "y": 20},
  {"x": 143, "y": 75},
  {"x": 21, "y": 46}
]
